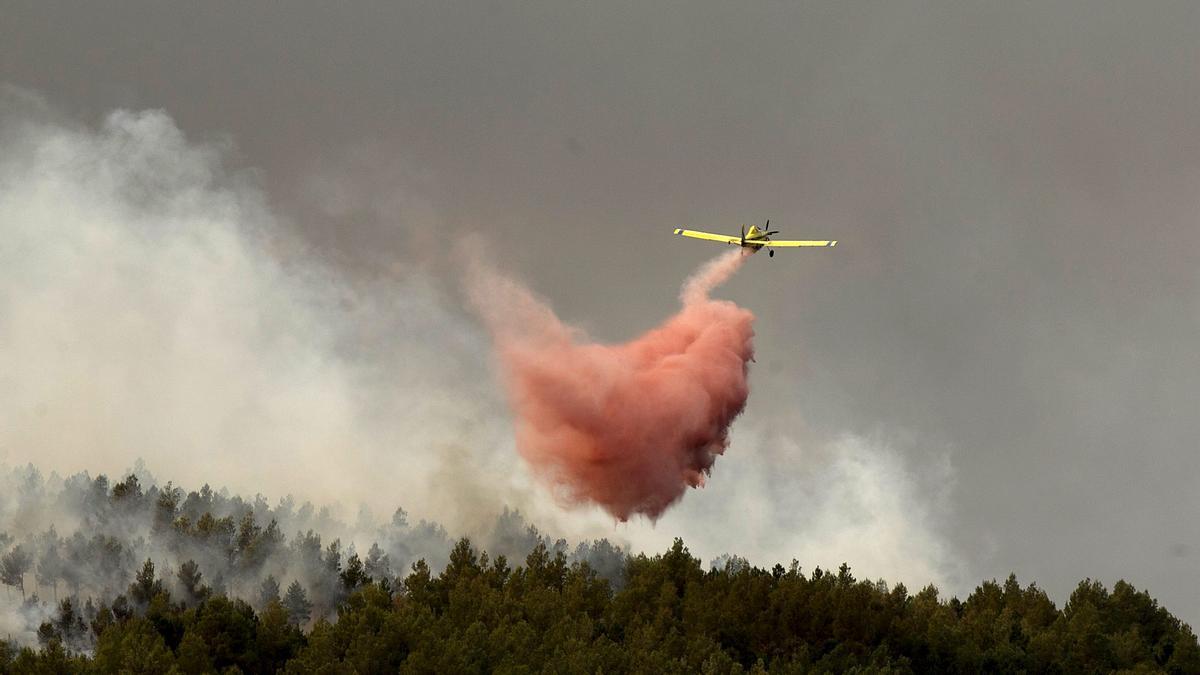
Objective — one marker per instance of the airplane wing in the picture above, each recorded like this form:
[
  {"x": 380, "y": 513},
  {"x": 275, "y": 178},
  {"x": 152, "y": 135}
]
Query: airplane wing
[
  {"x": 789, "y": 244},
  {"x": 723, "y": 238}
]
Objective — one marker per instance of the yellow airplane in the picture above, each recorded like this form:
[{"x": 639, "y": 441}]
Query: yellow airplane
[{"x": 753, "y": 239}]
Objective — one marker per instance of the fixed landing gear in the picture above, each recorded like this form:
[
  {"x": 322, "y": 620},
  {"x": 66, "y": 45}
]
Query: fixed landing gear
[{"x": 771, "y": 253}]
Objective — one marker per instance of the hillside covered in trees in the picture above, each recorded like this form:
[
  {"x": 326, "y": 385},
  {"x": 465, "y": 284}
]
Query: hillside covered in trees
[{"x": 154, "y": 579}]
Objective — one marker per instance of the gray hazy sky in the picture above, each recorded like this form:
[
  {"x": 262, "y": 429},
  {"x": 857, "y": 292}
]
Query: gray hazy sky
[{"x": 1014, "y": 306}]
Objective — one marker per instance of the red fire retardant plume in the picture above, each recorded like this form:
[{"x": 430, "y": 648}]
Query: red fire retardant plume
[{"x": 629, "y": 426}]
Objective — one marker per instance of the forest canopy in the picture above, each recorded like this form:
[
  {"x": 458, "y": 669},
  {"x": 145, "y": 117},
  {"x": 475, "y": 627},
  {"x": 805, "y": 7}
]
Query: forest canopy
[{"x": 155, "y": 579}]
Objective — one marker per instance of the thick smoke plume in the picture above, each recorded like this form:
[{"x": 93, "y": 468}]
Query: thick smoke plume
[{"x": 631, "y": 426}]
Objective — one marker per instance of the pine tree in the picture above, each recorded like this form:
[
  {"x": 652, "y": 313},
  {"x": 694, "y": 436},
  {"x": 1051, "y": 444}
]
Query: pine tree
[
  {"x": 127, "y": 491},
  {"x": 50, "y": 564},
  {"x": 13, "y": 566},
  {"x": 69, "y": 624},
  {"x": 354, "y": 575},
  {"x": 333, "y": 557},
  {"x": 296, "y": 603},
  {"x": 269, "y": 591},
  {"x": 145, "y": 586},
  {"x": 247, "y": 533},
  {"x": 378, "y": 566},
  {"x": 189, "y": 577}
]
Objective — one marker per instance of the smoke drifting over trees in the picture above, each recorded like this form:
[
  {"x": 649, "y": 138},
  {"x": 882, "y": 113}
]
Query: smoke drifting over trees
[
  {"x": 131, "y": 596},
  {"x": 93, "y": 543}
]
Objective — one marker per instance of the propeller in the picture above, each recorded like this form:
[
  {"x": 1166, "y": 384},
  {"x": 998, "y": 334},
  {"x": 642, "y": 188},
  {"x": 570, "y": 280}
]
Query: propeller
[
  {"x": 767, "y": 235},
  {"x": 743, "y": 243}
]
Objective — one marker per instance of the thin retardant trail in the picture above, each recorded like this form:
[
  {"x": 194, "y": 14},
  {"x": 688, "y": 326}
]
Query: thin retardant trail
[{"x": 630, "y": 426}]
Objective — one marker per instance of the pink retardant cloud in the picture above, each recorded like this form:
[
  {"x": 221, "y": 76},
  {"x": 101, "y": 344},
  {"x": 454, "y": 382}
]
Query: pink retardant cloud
[{"x": 630, "y": 426}]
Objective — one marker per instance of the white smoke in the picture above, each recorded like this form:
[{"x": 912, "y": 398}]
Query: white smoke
[
  {"x": 152, "y": 306},
  {"x": 852, "y": 499}
]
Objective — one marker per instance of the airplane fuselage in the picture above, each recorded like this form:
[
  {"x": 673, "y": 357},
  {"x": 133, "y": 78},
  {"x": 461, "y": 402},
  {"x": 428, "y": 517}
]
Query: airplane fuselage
[{"x": 754, "y": 238}]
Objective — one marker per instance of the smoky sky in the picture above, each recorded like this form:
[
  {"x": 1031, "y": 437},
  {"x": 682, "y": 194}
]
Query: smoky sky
[{"x": 1014, "y": 187}]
